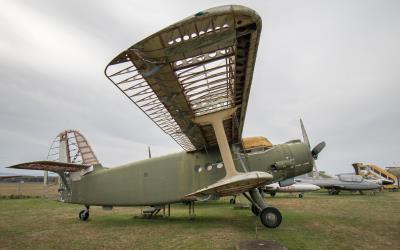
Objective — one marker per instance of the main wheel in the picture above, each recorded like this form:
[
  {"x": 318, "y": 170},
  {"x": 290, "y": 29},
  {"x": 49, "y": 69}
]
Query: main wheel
[
  {"x": 84, "y": 215},
  {"x": 301, "y": 195},
  {"x": 255, "y": 210},
  {"x": 232, "y": 201},
  {"x": 273, "y": 194},
  {"x": 271, "y": 217}
]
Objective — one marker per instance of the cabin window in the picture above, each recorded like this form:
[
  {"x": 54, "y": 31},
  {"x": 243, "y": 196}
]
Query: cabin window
[{"x": 220, "y": 165}]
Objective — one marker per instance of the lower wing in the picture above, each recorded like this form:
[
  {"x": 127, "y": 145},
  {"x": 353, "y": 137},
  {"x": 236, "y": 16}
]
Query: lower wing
[{"x": 237, "y": 184}]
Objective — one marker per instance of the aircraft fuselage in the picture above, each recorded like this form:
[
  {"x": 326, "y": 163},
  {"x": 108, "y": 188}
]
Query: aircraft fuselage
[{"x": 167, "y": 179}]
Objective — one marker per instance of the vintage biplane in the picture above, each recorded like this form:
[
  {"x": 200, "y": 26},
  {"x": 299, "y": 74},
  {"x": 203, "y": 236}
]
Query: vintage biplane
[{"x": 193, "y": 80}]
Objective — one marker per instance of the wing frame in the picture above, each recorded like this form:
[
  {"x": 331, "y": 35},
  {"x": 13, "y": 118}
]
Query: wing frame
[{"x": 150, "y": 77}]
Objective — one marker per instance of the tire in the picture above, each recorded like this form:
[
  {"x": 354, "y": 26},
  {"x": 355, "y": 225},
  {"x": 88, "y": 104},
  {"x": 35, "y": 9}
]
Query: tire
[
  {"x": 232, "y": 201},
  {"x": 271, "y": 217},
  {"x": 84, "y": 215},
  {"x": 273, "y": 194},
  {"x": 301, "y": 195},
  {"x": 255, "y": 210}
]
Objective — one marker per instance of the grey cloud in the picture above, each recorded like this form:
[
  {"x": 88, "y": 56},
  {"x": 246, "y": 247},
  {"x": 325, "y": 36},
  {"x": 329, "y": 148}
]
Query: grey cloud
[{"x": 335, "y": 64}]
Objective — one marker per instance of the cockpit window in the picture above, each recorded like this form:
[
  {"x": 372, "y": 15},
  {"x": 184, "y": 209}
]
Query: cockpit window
[{"x": 351, "y": 178}]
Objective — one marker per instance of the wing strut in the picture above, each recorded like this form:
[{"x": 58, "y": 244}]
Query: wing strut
[
  {"x": 216, "y": 120},
  {"x": 234, "y": 182}
]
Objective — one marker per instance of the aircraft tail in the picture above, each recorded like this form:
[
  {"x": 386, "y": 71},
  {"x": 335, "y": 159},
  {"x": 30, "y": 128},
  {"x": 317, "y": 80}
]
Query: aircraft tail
[
  {"x": 70, "y": 156},
  {"x": 70, "y": 146}
]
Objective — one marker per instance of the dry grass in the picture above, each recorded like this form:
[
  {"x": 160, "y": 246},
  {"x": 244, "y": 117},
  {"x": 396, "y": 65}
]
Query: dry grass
[
  {"x": 33, "y": 189},
  {"x": 318, "y": 221}
]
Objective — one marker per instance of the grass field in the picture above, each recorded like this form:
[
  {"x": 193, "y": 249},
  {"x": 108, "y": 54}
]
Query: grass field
[
  {"x": 318, "y": 221},
  {"x": 33, "y": 189}
]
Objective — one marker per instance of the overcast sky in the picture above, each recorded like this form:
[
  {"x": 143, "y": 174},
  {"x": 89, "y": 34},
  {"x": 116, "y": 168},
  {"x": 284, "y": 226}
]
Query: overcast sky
[{"x": 336, "y": 64}]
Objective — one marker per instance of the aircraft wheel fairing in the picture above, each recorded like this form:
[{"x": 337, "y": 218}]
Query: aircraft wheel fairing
[
  {"x": 255, "y": 210},
  {"x": 84, "y": 215},
  {"x": 271, "y": 217}
]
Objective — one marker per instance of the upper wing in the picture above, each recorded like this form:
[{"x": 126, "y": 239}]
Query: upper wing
[
  {"x": 199, "y": 65},
  {"x": 52, "y": 166}
]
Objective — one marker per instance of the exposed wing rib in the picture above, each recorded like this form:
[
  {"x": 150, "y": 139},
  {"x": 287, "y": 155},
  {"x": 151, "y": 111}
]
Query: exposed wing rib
[
  {"x": 200, "y": 65},
  {"x": 52, "y": 166}
]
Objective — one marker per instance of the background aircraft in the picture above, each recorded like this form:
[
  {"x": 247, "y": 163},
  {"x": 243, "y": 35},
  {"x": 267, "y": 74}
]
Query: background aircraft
[
  {"x": 193, "y": 80},
  {"x": 348, "y": 182},
  {"x": 377, "y": 174},
  {"x": 300, "y": 188}
]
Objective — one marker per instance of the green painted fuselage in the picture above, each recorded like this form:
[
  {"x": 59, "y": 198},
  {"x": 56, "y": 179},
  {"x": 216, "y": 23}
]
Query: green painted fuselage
[{"x": 169, "y": 178}]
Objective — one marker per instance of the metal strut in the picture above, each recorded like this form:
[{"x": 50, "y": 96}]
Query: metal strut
[
  {"x": 216, "y": 120},
  {"x": 256, "y": 199}
]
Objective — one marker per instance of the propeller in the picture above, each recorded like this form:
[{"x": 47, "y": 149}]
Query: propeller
[
  {"x": 304, "y": 132},
  {"x": 316, "y": 150}
]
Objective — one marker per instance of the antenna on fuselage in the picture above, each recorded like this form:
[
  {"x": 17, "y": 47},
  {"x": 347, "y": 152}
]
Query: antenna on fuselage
[{"x": 148, "y": 148}]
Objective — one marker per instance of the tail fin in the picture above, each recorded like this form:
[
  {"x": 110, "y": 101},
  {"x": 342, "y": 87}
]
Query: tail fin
[
  {"x": 70, "y": 146},
  {"x": 70, "y": 156}
]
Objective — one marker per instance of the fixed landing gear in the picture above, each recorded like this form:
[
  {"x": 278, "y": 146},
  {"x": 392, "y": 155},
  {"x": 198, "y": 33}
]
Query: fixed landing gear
[
  {"x": 301, "y": 195},
  {"x": 333, "y": 192},
  {"x": 84, "y": 214},
  {"x": 270, "y": 217},
  {"x": 255, "y": 210}
]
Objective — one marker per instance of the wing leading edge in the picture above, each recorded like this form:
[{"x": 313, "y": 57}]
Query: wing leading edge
[{"x": 200, "y": 65}]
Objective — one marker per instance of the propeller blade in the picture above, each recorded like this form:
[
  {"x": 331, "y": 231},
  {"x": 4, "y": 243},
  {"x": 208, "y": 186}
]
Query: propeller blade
[
  {"x": 305, "y": 136},
  {"x": 317, "y": 149}
]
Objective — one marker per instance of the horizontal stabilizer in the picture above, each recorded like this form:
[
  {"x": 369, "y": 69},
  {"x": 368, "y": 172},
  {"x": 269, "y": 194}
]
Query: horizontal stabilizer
[
  {"x": 51, "y": 166},
  {"x": 237, "y": 184}
]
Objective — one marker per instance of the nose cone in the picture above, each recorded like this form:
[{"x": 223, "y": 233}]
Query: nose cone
[{"x": 315, "y": 187}]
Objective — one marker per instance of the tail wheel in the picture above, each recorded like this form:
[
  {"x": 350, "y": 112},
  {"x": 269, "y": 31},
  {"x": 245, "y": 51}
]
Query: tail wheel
[
  {"x": 84, "y": 215},
  {"x": 271, "y": 217},
  {"x": 255, "y": 210}
]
